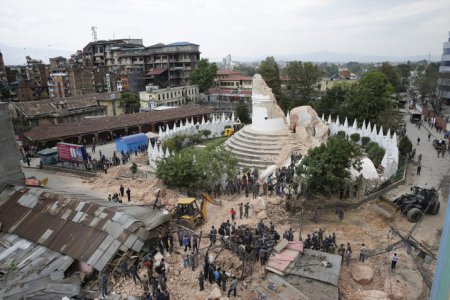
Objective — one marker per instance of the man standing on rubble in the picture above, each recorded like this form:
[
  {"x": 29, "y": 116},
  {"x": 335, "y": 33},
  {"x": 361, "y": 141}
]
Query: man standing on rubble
[
  {"x": 134, "y": 273},
  {"x": 362, "y": 252},
  {"x": 195, "y": 243},
  {"x": 122, "y": 190},
  {"x": 129, "y": 194},
  {"x": 124, "y": 269},
  {"x": 247, "y": 207},
  {"x": 213, "y": 235},
  {"x": 224, "y": 278},
  {"x": 201, "y": 281},
  {"x": 233, "y": 214},
  {"x": 233, "y": 287},
  {"x": 104, "y": 285},
  {"x": 241, "y": 210}
]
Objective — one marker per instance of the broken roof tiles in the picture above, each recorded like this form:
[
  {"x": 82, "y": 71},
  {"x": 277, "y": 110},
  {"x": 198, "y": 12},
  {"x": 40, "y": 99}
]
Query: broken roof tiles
[
  {"x": 90, "y": 230},
  {"x": 31, "y": 270}
]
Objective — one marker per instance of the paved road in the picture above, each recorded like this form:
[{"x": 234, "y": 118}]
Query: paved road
[
  {"x": 64, "y": 182},
  {"x": 434, "y": 170}
]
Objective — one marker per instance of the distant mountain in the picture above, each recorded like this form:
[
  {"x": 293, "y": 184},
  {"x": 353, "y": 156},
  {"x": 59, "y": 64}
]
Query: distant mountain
[
  {"x": 16, "y": 55},
  {"x": 329, "y": 56}
]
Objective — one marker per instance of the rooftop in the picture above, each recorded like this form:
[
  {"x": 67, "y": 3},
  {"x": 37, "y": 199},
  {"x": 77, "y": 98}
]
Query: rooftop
[
  {"x": 33, "y": 109},
  {"x": 39, "y": 271},
  {"x": 237, "y": 78},
  {"x": 227, "y": 72},
  {"x": 92, "y": 125},
  {"x": 299, "y": 267},
  {"x": 82, "y": 227},
  {"x": 182, "y": 44}
]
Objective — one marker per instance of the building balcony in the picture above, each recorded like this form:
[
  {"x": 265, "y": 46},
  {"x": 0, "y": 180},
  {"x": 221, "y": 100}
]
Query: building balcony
[{"x": 444, "y": 69}]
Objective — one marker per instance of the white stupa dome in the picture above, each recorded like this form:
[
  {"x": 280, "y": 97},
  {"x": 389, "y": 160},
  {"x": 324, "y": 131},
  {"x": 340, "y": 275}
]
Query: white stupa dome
[{"x": 368, "y": 170}]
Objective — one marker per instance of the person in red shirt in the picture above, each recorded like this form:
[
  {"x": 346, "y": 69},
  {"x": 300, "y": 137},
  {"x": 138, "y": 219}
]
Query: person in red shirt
[{"x": 233, "y": 214}]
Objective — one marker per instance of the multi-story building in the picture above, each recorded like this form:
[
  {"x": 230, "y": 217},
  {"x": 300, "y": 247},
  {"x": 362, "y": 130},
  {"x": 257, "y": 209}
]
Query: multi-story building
[
  {"x": 172, "y": 96},
  {"x": 37, "y": 74},
  {"x": 58, "y": 65},
  {"x": 58, "y": 80},
  {"x": 164, "y": 65},
  {"x": 233, "y": 80},
  {"x": 100, "y": 53},
  {"x": 444, "y": 69},
  {"x": 58, "y": 85}
]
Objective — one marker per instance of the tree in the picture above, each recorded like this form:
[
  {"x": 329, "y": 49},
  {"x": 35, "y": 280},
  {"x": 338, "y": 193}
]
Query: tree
[
  {"x": 355, "y": 137},
  {"x": 329, "y": 69},
  {"x": 205, "y": 133},
  {"x": 375, "y": 153},
  {"x": 130, "y": 102},
  {"x": 174, "y": 143},
  {"x": 246, "y": 70},
  {"x": 195, "y": 138},
  {"x": 331, "y": 102},
  {"x": 243, "y": 113},
  {"x": 370, "y": 98},
  {"x": 302, "y": 79},
  {"x": 204, "y": 74},
  {"x": 429, "y": 86},
  {"x": 134, "y": 168},
  {"x": 393, "y": 75},
  {"x": 327, "y": 167},
  {"x": 199, "y": 174},
  {"x": 43, "y": 95},
  {"x": 270, "y": 72},
  {"x": 405, "y": 146},
  {"x": 365, "y": 140}
]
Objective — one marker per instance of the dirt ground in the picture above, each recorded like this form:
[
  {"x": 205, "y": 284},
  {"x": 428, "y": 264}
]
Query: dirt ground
[{"x": 361, "y": 225}]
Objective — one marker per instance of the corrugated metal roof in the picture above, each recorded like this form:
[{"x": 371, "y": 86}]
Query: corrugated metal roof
[
  {"x": 312, "y": 260},
  {"x": 85, "y": 228},
  {"x": 38, "y": 271}
]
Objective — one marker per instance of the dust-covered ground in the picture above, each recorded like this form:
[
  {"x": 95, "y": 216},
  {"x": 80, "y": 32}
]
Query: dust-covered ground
[{"x": 360, "y": 225}]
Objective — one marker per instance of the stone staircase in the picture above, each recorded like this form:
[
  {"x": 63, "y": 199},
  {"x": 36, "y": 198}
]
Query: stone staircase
[{"x": 254, "y": 148}]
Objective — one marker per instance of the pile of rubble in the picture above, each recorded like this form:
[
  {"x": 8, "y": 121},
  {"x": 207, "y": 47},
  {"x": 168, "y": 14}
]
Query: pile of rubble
[{"x": 143, "y": 191}]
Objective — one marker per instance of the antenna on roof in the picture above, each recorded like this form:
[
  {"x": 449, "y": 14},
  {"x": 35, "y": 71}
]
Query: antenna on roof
[{"x": 94, "y": 33}]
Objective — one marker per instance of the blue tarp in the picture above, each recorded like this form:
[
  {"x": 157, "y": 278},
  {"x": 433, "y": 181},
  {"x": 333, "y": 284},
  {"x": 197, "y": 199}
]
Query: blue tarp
[{"x": 131, "y": 143}]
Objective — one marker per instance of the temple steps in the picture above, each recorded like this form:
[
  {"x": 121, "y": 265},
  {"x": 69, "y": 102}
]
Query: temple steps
[{"x": 254, "y": 148}]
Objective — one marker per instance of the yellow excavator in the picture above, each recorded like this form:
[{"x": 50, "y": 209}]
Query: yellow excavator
[{"x": 191, "y": 211}]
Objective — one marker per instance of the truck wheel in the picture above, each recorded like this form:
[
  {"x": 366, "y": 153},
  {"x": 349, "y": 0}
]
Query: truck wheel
[
  {"x": 414, "y": 215},
  {"x": 435, "y": 209}
]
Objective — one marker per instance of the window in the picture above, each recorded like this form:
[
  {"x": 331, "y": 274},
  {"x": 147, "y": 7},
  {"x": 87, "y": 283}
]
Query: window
[{"x": 446, "y": 51}]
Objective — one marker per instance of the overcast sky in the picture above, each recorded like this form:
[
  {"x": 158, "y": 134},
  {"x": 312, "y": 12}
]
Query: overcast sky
[{"x": 242, "y": 28}]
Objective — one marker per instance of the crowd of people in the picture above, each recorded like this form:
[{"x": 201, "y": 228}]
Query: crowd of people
[
  {"x": 216, "y": 275},
  {"x": 250, "y": 244},
  {"x": 154, "y": 280},
  {"x": 319, "y": 241}
]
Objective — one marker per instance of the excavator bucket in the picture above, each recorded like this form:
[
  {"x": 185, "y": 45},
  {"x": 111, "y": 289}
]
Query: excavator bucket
[
  {"x": 44, "y": 181},
  {"x": 210, "y": 199},
  {"x": 385, "y": 208}
]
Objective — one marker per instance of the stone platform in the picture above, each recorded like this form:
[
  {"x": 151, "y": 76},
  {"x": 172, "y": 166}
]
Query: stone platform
[{"x": 256, "y": 148}]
